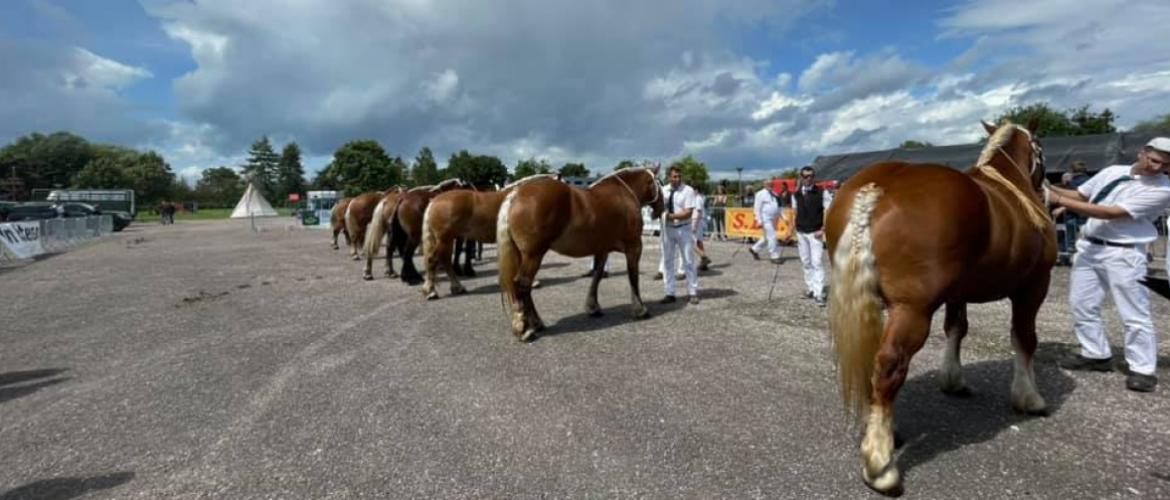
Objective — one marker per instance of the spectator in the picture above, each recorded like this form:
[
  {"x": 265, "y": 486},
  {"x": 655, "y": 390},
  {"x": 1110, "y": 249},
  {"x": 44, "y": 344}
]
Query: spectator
[
  {"x": 767, "y": 211},
  {"x": 810, "y": 204},
  {"x": 718, "y": 211},
  {"x": 1121, "y": 202}
]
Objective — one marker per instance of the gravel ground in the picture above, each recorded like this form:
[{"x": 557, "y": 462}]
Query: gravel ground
[{"x": 205, "y": 360}]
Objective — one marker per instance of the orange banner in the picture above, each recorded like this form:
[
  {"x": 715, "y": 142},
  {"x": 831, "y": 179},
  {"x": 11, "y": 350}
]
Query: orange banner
[{"x": 741, "y": 222}]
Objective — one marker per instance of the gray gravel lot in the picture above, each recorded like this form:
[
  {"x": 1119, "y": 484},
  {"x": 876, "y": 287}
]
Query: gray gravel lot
[{"x": 204, "y": 360}]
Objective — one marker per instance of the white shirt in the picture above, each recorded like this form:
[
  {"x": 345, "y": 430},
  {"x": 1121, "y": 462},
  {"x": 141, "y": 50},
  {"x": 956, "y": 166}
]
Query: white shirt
[
  {"x": 766, "y": 206},
  {"x": 1145, "y": 198},
  {"x": 683, "y": 199}
]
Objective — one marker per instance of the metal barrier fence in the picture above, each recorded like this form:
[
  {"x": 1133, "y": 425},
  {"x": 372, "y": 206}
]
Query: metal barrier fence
[{"x": 60, "y": 235}]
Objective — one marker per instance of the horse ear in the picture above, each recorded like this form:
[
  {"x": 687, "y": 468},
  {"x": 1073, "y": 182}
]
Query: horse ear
[
  {"x": 657, "y": 168},
  {"x": 988, "y": 127}
]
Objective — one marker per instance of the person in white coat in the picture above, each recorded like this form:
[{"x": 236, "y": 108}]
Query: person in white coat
[
  {"x": 767, "y": 206},
  {"x": 1121, "y": 202},
  {"x": 677, "y": 236}
]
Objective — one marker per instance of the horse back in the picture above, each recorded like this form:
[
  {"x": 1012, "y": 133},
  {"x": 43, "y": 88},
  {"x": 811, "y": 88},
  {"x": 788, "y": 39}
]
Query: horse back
[{"x": 935, "y": 236}]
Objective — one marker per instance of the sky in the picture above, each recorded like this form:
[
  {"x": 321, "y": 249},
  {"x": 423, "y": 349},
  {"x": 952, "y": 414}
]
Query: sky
[{"x": 764, "y": 86}]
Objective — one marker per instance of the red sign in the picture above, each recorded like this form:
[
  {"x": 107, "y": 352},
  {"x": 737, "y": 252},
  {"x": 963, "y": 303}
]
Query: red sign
[{"x": 294, "y": 197}]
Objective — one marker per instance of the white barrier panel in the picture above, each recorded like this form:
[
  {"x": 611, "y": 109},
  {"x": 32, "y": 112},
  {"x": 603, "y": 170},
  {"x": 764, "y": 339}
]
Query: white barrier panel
[{"x": 23, "y": 239}]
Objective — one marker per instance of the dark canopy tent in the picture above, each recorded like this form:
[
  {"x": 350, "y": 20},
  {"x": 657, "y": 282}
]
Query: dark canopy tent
[{"x": 1097, "y": 151}]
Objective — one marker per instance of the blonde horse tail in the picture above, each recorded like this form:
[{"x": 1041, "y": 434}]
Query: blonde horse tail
[
  {"x": 351, "y": 229},
  {"x": 855, "y": 305},
  {"x": 375, "y": 231},
  {"x": 429, "y": 240},
  {"x": 508, "y": 253}
]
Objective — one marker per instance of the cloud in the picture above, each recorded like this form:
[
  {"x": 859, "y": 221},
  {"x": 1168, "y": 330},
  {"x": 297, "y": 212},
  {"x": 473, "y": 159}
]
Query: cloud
[
  {"x": 49, "y": 87},
  {"x": 575, "y": 79}
]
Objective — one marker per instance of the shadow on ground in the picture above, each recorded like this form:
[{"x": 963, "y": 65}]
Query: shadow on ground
[
  {"x": 13, "y": 384},
  {"x": 930, "y": 423},
  {"x": 66, "y": 487}
]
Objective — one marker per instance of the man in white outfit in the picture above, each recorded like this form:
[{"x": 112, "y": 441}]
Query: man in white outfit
[
  {"x": 677, "y": 237},
  {"x": 767, "y": 211},
  {"x": 810, "y": 203},
  {"x": 1121, "y": 202}
]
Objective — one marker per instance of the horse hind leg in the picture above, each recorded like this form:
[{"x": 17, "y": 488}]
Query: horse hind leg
[
  {"x": 905, "y": 333},
  {"x": 951, "y": 375},
  {"x": 527, "y": 276},
  {"x": 1025, "y": 397}
]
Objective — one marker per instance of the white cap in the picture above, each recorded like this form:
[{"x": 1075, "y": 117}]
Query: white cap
[{"x": 1160, "y": 143}]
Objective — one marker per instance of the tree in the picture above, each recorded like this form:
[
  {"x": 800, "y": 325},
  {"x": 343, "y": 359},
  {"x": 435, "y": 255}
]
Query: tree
[
  {"x": 694, "y": 172},
  {"x": 261, "y": 167},
  {"x": 104, "y": 172},
  {"x": 478, "y": 170},
  {"x": 912, "y": 144},
  {"x": 290, "y": 174},
  {"x": 1159, "y": 125},
  {"x": 574, "y": 170},
  {"x": 151, "y": 177},
  {"x": 1053, "y": 123},
  {"x": 45, "y": 161},
  {"x": 624, "y": 164},
  {"x": 361, "y": 166},
  {"x": 531, "y": 166},
  {"x": 425, "y": 171},
  {"x": 220, "y": 187}
]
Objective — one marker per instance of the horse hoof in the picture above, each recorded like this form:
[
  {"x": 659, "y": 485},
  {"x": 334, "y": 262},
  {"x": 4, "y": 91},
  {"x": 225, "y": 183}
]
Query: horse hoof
[
  {"x": 335, "y": 247},
  {"x": 368, "y": 277},
  {"x": 888, "y": 483},
  {"x": 469, "y": 273},
  {"x": 595, "y": 313},
  {"x": 529, "y": 335},
  {"x": 535, "y": 283},
  {"x": 642, "y": 314},
  {"x": 355, "y": 257},
  {"x": 391, "y": 274},
  {"x": 1031, "y": 406},
  {"x": 432, "y": 296},
  {"x": 458, "y": 291}
]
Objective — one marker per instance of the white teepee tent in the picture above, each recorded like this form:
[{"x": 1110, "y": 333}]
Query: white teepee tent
[{"x": 253, "y": 204}]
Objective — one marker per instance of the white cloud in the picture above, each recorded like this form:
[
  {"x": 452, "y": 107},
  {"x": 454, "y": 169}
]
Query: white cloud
[{"x": 91, "y": 69}]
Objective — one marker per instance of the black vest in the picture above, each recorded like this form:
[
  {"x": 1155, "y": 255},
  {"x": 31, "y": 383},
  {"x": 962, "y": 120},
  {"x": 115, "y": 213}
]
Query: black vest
[{"x": 810, "y": 210}]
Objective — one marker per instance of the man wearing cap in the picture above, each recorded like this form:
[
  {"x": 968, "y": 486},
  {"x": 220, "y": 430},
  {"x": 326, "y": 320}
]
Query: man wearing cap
[
  {"x": 676, "y": 234},
  {"x": 767, "y": 210},
  {"x": 810, "y": 204},
  {"x": 1121, "y": 202}
]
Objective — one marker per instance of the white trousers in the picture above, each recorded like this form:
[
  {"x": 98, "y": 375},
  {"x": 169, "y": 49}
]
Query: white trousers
[
  {"x": 679, "y": 240},
  {"x": 812, "y": 258},
  {"x": 1096, "y": 269},
  {"x": 769, "y": 237}
]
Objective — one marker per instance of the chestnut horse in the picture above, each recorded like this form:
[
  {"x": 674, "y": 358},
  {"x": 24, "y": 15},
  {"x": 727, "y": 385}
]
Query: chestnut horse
[
  {"x": 462, "y": 214},
  {"x": 914, "y": 238},
  {"x": 376, "y": 231},
  {"x": 337, "y": 220},
  {"x": 406, "y": 221},
  {"x": 358, "y": 214},
  {"x": 546, "y": 214}
]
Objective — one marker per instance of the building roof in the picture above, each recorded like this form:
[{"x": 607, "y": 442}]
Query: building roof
[{"x": 1097, "y": 151}]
